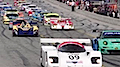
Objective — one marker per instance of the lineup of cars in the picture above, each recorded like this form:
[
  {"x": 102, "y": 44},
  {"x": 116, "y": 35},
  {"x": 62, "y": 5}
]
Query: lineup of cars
[{"x": 62, "y": 52}]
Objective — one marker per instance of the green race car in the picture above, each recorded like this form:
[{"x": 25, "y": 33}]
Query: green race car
[{"x": 108, "y": 42}]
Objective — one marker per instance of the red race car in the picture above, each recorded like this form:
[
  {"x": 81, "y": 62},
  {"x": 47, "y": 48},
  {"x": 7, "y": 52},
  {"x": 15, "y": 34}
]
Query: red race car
[{"x": 61, "y": 23}]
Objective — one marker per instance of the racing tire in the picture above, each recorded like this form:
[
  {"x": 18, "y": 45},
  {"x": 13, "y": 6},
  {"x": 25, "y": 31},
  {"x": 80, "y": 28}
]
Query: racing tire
[
  {"x": 41, "y": 65},
  {"x": 14, "y": 34},
  {"x": 10, "y": 28}
]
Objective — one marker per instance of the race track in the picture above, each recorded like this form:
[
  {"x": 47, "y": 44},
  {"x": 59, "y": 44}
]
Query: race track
[{"x": 25, "y": 51}]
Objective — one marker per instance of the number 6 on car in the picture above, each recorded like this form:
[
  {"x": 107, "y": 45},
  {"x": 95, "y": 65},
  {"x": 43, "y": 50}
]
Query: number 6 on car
[{"x": 69, "y": 53}]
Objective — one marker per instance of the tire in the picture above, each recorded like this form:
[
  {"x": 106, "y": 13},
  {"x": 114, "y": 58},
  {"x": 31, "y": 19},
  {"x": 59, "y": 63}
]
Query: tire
[
  {"x": 10, "y": 28},
  {"x": 14, "y": 34},
  {"x": 41, "y": 65}
]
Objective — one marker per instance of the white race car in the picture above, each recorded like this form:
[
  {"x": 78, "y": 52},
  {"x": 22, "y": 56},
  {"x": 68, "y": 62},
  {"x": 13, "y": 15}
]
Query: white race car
[
  {"x": 29, "y": 7},
  {"x": 30, "y": 12},
  {"x": 69, "y": 53},
  {"x": 24, "y": 6}
]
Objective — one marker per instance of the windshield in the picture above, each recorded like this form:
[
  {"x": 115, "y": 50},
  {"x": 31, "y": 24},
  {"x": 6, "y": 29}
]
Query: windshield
[
  {"x": 111, "y": 35},
  {"x": 71, "y": 48},
  {"x": 12, "y": 16},
  {"x": 18, "y": 22},
  {"x": 21, "y": 2},
  {"x": 25, "y": 4},
  {"x": 32, "y": 6},
  {"x": 53, "y": 16},
  {"x": 12, "y": 10}
]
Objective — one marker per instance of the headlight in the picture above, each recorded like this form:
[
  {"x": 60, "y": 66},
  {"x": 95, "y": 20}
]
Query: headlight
[
  {"x": 71, "y": 25},
  {"x": 54, "y": 25},
  {"x": 105, "y": 43},
  {"x": 47, "y": 19},
  {"x": 53, "y": 59},
  {"x": 95, "y": 60}
]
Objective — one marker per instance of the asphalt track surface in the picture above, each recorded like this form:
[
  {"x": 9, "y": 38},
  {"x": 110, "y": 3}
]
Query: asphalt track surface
[{"x": 25, "y": 51}]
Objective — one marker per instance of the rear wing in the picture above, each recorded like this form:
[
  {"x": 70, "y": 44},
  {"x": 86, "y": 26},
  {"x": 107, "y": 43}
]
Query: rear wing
[
  {"x": 61, "y": 40},
  {"x": 60, "y": 18}
]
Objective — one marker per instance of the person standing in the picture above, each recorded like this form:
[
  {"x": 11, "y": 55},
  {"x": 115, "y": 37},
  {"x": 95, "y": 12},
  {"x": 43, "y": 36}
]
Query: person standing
[{"x": 73, "y": 5}]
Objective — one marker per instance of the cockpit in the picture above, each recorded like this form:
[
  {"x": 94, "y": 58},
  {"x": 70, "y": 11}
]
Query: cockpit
[{"x": 72, "y": 48}]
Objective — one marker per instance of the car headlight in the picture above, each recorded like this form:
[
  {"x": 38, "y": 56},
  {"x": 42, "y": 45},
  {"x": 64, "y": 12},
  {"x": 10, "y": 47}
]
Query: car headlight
[
  {"x": 53, "y": 59},
  {"x": 47, "y": 19},
  {"x": 105, "y": 43},
  {"x": 71, "y": 25},
  {"x": 95, "y": 60}
]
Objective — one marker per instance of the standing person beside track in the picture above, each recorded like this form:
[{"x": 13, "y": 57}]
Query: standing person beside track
[{"x": 73, "y": 5}]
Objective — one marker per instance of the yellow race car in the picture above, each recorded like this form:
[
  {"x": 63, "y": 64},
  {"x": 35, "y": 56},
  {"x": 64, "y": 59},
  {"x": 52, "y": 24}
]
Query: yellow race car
[
  {"x": 24, "y": 27},
  {"x": 10, "y": 15},
  {"x": 47, "y": 17}
]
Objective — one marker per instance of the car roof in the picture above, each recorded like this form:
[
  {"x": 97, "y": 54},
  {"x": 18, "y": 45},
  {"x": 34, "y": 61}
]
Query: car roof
[
  {"x": 31, "y": 5},
  {"x": 111, "y": 31}
]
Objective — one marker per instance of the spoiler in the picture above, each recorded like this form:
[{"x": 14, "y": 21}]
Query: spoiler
[
  {"x": 61, "y": 40},
  {"x": 60, "y": 18}
]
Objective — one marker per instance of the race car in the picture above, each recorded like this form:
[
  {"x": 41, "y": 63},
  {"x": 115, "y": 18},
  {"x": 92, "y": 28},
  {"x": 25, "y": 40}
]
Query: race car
[
  {"x": 24, "y": 6},
  {"x": 19, "y": 2},
  {"x": 24, "y": 27},
  {"x": 4, "y": 8},
  {"x": 9, "y": 17},
  {"x": 39, "y": 15},
  {"x": 29, "y": 7},
  {"x": 46, "y": 19},
  {"x": 108, "y": 42},
  {"x": 4, "y": 3},
  {"x": 30, "y": 12},
  {"x": 69, "y": 53},
  {"x": 61, "y": 23}
]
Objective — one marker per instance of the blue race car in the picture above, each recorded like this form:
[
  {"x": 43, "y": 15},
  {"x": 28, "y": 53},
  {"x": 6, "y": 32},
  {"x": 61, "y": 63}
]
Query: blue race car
[
  {"x": 38, "y": 15},
  {"x": 24, "y": 27}
]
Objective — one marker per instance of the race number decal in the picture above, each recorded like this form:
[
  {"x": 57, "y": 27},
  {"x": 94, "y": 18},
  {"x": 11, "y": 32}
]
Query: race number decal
[{"x": 72, "y": 57}]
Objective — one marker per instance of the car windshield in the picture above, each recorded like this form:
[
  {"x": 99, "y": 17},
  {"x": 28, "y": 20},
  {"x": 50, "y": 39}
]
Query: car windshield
[
  {"x": 71, "y": 48},
  {"x": 25, "y": 4},
  {"x": 111, "y": 35},
  {"x": 32, "y": 6},
  {"x": 12, "y": 16},
  {"x": 53, "y": 16},
  {"x": 21, "y": 2},
  {"x": 19, "y": 22},
  {"x": 12, "y": 10}
]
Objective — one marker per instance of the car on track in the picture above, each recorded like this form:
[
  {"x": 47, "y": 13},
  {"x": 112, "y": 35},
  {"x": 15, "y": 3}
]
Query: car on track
[
  {"x": 39, "y": 15},
  {"x": 61, "y": 23},
  {"x": 4, "y": 8},
  {"x": 32, "y": 11},
  {"x": 24, "y": 6},
  {"x": 23, "y": 27},
  {"x": 19, "y": 2},
  {"x": 47, "y": 17},
  {"x": 4, "y": 3},
  {"x": 29, "y": 7},
  {"x": 108, "y": 42},
  {"x": 69, "y": 53},
  {"x": 9, "y": 16}
]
